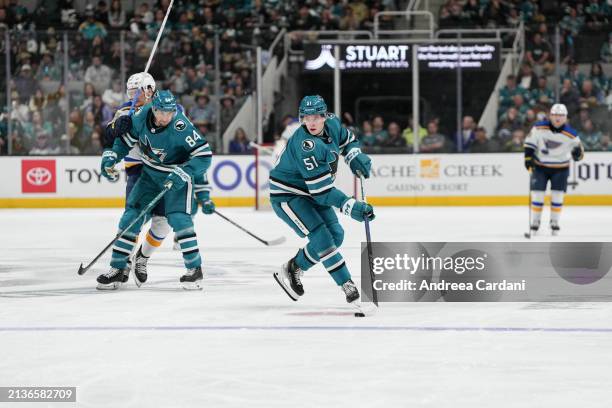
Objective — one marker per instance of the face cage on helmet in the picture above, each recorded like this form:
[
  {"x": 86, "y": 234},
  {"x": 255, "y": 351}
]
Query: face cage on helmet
[{"x": 130, "y": 92}]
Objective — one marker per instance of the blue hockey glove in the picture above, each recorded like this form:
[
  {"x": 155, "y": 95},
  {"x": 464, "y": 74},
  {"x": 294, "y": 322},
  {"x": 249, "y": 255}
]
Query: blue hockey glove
[
  {"x": 208, "y": 207},
  {"x": 358, "y": 210},
  {"x": 177, "y": 178},
  {"x": 121, "y": 125},
  {"x": 107, "y": 167},
  {"x": 359, "y": 163}
]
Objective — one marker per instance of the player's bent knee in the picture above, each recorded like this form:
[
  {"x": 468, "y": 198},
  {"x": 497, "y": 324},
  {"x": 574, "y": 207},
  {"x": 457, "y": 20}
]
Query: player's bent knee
[
  {"x": 321, "y": 239},
  {"x": 180, "y": 221},
  {"x": 337, "y": 233}
]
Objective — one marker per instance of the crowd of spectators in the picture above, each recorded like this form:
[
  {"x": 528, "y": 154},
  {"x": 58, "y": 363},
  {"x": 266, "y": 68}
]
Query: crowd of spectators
[
  {"x": 526, "y": 98},
  {"x": 72, "y": 120}
]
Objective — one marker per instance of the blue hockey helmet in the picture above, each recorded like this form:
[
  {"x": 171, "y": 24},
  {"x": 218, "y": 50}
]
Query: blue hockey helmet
[
  {"x": 164, "y": 101},
  {"x": 312, "y": 105}
]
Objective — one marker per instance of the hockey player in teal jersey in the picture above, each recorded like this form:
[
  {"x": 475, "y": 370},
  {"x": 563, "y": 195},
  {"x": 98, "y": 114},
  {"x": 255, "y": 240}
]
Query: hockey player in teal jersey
[
  {"x": 172, "y": 151},
  {"x": 303, "y": 195}
]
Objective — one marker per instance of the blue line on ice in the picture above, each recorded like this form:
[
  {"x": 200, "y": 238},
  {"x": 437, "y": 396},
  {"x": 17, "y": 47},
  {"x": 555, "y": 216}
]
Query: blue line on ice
[{"x": 314, "y": 328}]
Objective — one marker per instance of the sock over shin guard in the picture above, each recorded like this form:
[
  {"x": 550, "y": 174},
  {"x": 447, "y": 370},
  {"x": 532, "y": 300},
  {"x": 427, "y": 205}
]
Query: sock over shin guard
[
  {"x": 155, "y": 236},
  {"x": 556, "y": 204},
  {"x": 537, "y": 204},
  {"x": 321, "y": 248},
  {"x": 182, "y": 224},
  {"x": 122, "y": 249}
]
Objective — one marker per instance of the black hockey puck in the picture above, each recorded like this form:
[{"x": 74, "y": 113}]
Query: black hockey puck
[{"x": 359, "y": 314}]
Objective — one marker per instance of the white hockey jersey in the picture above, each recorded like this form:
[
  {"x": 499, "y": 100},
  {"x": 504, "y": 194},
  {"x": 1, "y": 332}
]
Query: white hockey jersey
[{"x": 552, "y": 147}]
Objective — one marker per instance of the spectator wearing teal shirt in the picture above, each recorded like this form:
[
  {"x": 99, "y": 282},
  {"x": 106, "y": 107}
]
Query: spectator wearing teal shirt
[
  {"x": 90, "y": 28},
  {"x": 378, "y": 128},
  {"x": 590, "y": 137},
  {"x": 574, "y": 75},
  {"x": 366, "y": 136}
]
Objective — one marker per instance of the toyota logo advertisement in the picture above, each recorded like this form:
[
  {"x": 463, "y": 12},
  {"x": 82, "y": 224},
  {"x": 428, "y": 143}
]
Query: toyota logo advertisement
[{"x": 38, "y": 176}]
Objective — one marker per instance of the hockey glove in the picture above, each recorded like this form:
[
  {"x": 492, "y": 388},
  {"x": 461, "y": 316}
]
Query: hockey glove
[
  {"x": 208, "y": 207},
  {"x": 359, "y": 163},
  {"x": 121, "y": 125},
  {"x": 177, "y": 178},
  {"x": 528, "y": 163},
  {"x": 577, "y": 153},
  {"x": 358, "y": 210},
  {"x": 107, "y": 168}
]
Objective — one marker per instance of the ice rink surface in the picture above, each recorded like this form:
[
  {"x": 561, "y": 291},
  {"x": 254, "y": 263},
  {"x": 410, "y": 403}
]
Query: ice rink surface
[{"x": 243, "y": 343}]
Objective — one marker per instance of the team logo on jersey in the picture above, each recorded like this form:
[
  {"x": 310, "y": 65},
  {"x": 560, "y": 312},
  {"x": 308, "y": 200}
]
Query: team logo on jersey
[
  {"x": 551, "y": 144},
  {"x": 157, "y": 155},
  {"x": 308, "y": 145},
  {"x": 180, "y": 125}
]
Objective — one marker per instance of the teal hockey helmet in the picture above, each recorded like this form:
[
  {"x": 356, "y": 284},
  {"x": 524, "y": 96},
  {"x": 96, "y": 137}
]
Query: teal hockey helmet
[
  {"x": 164, "y": 101},
  {"x": 312, "y": 105}
]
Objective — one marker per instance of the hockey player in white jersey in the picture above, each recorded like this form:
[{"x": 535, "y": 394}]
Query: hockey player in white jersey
[{"x": 548, "y": 149}]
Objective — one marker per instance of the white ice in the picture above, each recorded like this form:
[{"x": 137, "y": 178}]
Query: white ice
[{"x": 243, "y": 343}]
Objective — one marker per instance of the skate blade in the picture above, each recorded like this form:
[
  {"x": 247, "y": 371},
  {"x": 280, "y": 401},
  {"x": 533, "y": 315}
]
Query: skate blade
[
  {"x": 109, "y": 286},
  {"x": 368, "y": 309},
  {"x": 138, "y": 282},
  {"x": 292, "y": 295},
  {"x": 197, "y": 285},
  {"x": 554, "y": 233}
]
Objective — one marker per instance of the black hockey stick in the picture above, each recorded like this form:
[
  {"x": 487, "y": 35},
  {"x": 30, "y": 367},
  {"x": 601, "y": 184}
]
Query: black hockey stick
[
  {"x": 574, "y": 183},
  {"x": 528, "y": 234},
  {"x": 273, "y": 242},
  {"x": 148, "y": 208},
  {"x": 369, "y": 245}
]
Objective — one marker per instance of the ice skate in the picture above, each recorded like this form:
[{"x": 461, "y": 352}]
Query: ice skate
[
  {"x": 114, "y": 279},
  {"x": 350, "y": 290},
  {"x": 139, "y": 263},
  {"x": 289, "y": 278},
  {"x": 192, "y": 280},
  {"x": 554, "y": 228},
  {"x": 535, "y": 226}
]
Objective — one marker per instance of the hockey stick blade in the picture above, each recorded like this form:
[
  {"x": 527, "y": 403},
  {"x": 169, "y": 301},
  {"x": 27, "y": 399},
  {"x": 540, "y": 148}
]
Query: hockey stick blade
[
  {"x": 82, "y": 270},
  {"x": 148, "y": 208},
  {"x": 527, "y": 235},
  {"x": 276, "y": 241}
]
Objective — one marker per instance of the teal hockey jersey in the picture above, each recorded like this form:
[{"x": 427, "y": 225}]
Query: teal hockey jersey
[
  {"x": 163, "y": 148},
  {"x": 307, "y": 166}
]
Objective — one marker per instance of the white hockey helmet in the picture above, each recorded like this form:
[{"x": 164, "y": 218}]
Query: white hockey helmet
[
  {"x": 140, "y": 80},
  {"x": 558, "y": 109}
]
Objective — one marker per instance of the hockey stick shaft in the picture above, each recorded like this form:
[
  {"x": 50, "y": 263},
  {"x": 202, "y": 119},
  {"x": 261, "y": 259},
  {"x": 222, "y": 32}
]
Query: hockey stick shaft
[
  {"x": 263, "y": 241},
  {"x": 148, "y": 208},
  {"x": 150, "y": 60},
  {"x": 528, "y": 234},
  {"x": 368, "y": 244}
]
